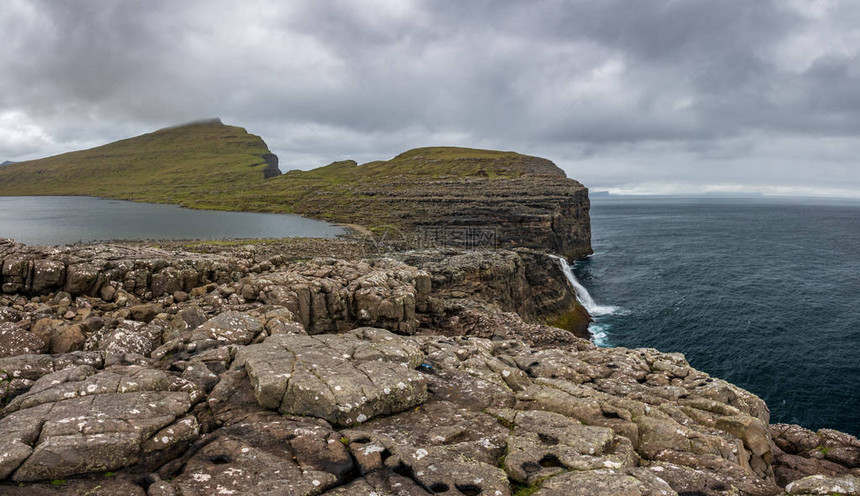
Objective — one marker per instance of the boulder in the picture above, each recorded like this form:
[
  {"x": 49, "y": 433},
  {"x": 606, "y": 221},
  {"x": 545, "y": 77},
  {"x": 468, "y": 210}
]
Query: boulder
[
  {"x": 68, "y": 339},
  {"x": 46, "y": 328},
  {"x": 82, "y": 278},
  {"x": 131, "y": 337},
  {"x": 16, "y": 341},
  {"x": 225, "y": 329},
  {"x": 752, "y": 431},
  {"x": 228, "y": 327},
  {"x": 145, "y": 313},
  {"x": 47, "y": 275},
  {"x": 187, "y": 319}
]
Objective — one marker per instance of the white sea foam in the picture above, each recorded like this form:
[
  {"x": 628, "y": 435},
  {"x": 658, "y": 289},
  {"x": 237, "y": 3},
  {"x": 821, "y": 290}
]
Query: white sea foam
[{"x": 599, "y": 334}]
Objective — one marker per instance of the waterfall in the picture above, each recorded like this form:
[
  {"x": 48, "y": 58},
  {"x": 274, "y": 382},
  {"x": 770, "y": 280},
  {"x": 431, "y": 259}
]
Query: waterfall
[
  {"x": 582, "y": 294},
  {"x": 599, "y": 334}
]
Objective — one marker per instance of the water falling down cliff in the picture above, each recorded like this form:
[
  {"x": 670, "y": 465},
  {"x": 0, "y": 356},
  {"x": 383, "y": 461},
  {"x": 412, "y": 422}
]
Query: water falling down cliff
[{"x": 597, "y": 329}]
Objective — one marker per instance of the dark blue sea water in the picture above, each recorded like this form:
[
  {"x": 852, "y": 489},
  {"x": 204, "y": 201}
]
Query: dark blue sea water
[
  {"x": 764, "y": 293},
  {"x": 55, "y": 220}
]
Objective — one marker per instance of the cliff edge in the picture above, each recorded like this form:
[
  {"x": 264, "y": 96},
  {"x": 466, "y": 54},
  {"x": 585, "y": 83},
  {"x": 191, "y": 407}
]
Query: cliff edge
[
  {"x": 251, "y": 369},
  {"x": 447, "y": 196}
]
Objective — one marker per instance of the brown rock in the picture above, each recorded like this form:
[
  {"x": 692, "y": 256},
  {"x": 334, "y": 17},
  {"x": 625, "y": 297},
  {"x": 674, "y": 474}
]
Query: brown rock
[
  {"x": 68, "y": 339},
  {"x": 45, "y": 328},
  {"x": 145, "y": 313},
  {"x": 16, "y": 341},
  {"x": 47, "y": 275},
  {"x": 81, "y": 278},
  {"x": 752, "y": 431},
  {"x": 108, "y": 292}
]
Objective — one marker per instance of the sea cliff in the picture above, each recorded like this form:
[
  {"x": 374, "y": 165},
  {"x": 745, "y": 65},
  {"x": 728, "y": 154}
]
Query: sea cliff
[
  {"x": 446, "y": 196},
  {"x": 277, "y": 368}
]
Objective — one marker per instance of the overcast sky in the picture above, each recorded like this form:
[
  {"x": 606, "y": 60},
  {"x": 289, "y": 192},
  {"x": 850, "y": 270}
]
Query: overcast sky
[{"x": 648, "y": 96}]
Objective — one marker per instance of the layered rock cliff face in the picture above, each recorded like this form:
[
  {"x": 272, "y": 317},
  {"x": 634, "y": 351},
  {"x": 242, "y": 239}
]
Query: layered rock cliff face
[
  {"x": 478, "y": 199},
  {"x": 467, "y": 286},
  {"x": 252, "y": 370}
]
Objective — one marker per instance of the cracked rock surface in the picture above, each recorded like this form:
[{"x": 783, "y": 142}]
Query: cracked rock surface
[
  {"x": 344, "y": 378},
  {"x": 81, "y": 420}
]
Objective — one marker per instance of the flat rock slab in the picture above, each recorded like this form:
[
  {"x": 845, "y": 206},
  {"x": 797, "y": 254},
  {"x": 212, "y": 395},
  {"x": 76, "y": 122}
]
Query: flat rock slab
[
  {"x": 543, "y": 444},
  {"x": 79, "y": 420},
  {"x": 440, "y": 446},
  {"x": 436, "y": 423},
  {"x": 287, "y": 456},
  {"x": 344, "y": 378},
  {"x": 628, "y": 482},
  {"x": 845, "y": 485},
  {"x": 380, "y": 484}
]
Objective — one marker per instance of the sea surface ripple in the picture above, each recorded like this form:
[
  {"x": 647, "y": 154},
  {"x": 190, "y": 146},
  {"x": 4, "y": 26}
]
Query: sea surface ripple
[{"x": 762, "y": 292}]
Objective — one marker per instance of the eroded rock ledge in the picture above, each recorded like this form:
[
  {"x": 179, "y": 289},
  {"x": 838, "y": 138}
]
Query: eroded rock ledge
[{"x": 129, "y": 370}]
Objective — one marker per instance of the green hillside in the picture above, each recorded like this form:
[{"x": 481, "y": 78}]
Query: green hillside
[
  {"x": 210, "y": 165},
  {"x": 182, "y": 164},
  {"x": 367, "y": 194}
]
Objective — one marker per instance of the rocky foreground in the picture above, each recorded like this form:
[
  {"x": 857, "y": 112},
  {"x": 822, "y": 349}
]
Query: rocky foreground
[{"x": 262, "y": 370}]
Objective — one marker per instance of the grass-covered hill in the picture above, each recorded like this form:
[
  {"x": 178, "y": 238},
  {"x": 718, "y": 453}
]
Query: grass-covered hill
[
  {"x": 528, "y": 200},
  {"x": 171, "y": 165},
  {"x": 348, "y": 192},
  {"x": 215, "y": 166}
]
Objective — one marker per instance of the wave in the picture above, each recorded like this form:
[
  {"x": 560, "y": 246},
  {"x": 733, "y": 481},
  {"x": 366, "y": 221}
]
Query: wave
[{"x": 599, "y": 334}]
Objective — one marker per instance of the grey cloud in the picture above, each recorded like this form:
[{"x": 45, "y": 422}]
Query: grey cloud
[{"x": 619, "y": 93}]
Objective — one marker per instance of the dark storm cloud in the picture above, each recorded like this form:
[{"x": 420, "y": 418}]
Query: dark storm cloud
[{"x": 646, "y": 95}]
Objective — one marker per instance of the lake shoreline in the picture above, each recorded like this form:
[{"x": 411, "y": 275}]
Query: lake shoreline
[{"x": 60, "y": 220}]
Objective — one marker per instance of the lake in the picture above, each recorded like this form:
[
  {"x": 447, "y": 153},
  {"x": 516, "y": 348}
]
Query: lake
[{"x": 58, "y": 220}]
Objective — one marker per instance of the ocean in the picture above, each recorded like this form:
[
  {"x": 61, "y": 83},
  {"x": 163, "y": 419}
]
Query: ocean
[{"x": 763, "y": 292}]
